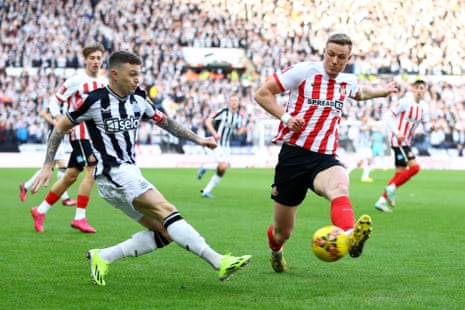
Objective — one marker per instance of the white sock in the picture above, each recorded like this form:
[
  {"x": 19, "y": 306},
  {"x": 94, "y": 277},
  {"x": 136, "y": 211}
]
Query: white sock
[
  {"x": 28, "y": 183},
  {"x": 214, "y": 180},
  {"x": 80, "y": 213},
  {"x": 140, "y": 243},
  {"x": 366, "y": 172},
  {"x": 187, "y": 237},
  {"x": 44, "y": 207},
  {"x": 392, "y": 187}
]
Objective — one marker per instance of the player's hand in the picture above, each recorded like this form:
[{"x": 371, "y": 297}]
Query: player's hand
[
  {"x": 391, "y": 88},
  {"x": 209, "y": 142},
  {"x": 43, "y": 179},
  {"x": 296, "y": 124}
]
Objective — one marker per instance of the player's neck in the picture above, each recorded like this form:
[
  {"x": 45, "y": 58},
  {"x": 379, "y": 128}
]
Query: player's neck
[{"x": 91, "y": 74}]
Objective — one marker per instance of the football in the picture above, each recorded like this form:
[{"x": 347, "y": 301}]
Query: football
[{"x": 330, "y": 243}]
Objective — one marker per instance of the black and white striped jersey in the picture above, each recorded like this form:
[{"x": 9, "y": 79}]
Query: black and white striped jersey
[
  {"x": 225, "y": 123},
  {"x": 113, "y": 123}
]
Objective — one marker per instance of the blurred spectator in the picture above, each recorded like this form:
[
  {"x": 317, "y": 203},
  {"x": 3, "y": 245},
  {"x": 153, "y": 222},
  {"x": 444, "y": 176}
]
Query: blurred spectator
[{"x": 43, "y": 37}]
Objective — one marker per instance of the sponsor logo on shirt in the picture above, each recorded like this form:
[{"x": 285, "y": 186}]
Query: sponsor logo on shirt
[
  {"x": 117, "y": 124},
  {"x": 337, "y": 104}
]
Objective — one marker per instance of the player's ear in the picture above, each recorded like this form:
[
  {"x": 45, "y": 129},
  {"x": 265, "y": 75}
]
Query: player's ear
[{"x": 114, "y": 74}]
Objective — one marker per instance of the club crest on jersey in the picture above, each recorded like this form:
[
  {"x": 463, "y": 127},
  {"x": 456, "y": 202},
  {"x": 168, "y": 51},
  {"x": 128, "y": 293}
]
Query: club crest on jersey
[{"x": 118, "y": 124}]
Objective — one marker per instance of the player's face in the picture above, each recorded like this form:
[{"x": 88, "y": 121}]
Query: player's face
[
  {"x": 419, "y": 91},
  {"x": 125, "y": 79},
  {"x": 336, "y": 57},
  {"x": 234, "y": 103},
  {"x": 93, "y": 63}
]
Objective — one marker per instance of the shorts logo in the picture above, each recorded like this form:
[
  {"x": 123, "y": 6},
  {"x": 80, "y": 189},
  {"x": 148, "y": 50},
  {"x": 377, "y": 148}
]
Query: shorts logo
[
  {"x": 117, "y": 124},
  {"x": 274, "y": 191}
]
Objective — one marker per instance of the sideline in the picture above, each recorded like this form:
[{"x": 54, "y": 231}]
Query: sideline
[{"x": 151, "y": 157}]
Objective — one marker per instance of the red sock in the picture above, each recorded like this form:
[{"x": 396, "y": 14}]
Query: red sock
[
  {"x": 342, "y": 214},
  {"x": 51, "y": 198},
  {"x": 405, "y": 175},
  {"x": 82, "y": 201},
  {"x": 395, "y": 178},
  {"x": 273, "y": 245}
]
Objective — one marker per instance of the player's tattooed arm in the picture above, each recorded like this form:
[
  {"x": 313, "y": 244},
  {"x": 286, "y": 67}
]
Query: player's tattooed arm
[
  {"x": 179, "y": 130},
  {"x": 52, "y": 146}
]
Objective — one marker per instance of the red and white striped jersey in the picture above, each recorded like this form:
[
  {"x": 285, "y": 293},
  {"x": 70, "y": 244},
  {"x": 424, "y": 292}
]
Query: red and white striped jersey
[
  {"x": 319, "y": 100},
  {"x": 71, "y": 95},
  {"x": 407, "y": 115}
]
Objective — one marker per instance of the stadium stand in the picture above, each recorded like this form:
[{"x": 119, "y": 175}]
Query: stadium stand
[{"x": 393, "y": 40}]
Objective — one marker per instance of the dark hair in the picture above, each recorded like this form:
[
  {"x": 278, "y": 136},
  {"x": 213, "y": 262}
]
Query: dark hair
[
  {"x": 419, "y": 82},
  {"x": 120, "y": 57},
  {"x": 341, "y": 39},
  {"x": 94, "y": 47}
]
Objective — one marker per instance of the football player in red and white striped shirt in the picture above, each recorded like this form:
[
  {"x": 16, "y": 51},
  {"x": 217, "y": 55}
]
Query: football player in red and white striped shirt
[
  {"x": 308, "y": 133},
  {"x": 68, "y": 98},
  {"x": 402, "y": 119}
]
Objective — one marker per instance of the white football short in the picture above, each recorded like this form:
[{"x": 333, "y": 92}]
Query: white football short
[
  {"x": 222, "y": 154},
  {"x": 364, "y": 152},
  {"x": 125, "y": 185},
  {"x": 61, "y": 152}
]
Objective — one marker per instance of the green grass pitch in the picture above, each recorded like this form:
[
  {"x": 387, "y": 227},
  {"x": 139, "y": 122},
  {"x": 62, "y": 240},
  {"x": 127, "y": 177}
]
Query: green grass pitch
[{"x": 414, "y": 259}]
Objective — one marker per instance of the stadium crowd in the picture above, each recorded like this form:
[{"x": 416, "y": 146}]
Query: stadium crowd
[{"x": 392, "y": 40}]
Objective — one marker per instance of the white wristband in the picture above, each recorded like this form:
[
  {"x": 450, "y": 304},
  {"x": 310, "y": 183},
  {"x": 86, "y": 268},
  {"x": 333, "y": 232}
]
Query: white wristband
[{"x": 285, "y": 118}]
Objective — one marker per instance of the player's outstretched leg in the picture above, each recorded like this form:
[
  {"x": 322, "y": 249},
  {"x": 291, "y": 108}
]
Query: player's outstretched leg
[
  {"x": 230, "y": 264},
  {"x": 360, "y": 234}
]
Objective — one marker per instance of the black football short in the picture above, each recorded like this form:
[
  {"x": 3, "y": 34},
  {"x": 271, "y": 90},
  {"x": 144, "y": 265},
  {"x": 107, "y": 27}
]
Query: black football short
[
  {"x": 82, "y": 155},
  {"x": 295, "y": 172},
  {"x": 402, "y": 154}
]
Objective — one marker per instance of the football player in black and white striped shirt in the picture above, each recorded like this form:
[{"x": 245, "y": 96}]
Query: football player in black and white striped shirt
[
  {"x": 222, "y": 124},
  {"x": 113, "y": 115}
]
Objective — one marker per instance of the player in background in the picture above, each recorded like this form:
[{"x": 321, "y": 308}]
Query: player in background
[
  {"x": 308, "y": 135},
  {"x": 61, "y": 161},
  {"x": 221, "y": 125},
  {"x": 68, "y": 98},
  {"x": 114, "y": 115},
  {"x": 362, "y": 143},
  {"x": 378, "y": 145},
  {"x": 401, "y": 120}
]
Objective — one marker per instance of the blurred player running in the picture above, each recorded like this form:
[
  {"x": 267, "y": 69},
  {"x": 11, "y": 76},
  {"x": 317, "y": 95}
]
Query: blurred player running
[
  {"x": 61, "y": 160},
  {"x": 402, "y": 119},
  {"x": 69, "y": 97},
  {"x": 222, "y": 124}
]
